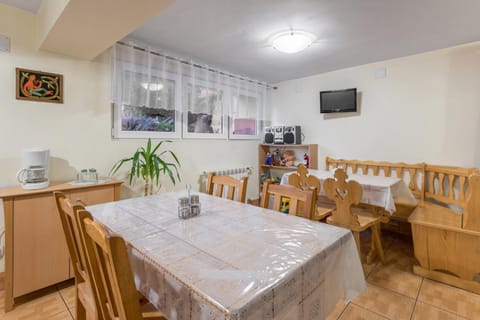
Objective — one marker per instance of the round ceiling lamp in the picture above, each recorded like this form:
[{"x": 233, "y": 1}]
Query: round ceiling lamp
[{"x": 292, "y": 41}]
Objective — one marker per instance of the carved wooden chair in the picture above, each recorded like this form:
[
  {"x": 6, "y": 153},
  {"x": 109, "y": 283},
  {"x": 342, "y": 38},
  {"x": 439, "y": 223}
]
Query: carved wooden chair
[
  {"x": 112, "y": 274},
  {"x": 217, "y": 184},
  {"x": 301, "y": 202},
  {"x": 84, "y": 297},
  {"x": 301, "y": 179},
  {"x": 345, "y": 194}
]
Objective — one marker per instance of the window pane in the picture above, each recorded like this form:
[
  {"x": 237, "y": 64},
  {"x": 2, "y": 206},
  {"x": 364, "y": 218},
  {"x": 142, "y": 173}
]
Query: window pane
[
  {"x": 205, "y": 112},
  {"x": 149, "y": 106},
  {"x": 244, "y": 115}
]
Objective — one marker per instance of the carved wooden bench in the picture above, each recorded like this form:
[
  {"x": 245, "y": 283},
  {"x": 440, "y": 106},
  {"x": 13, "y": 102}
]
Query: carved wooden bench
[
  {"x": 446, "y": 223},
  {"x": 446, "y": 227},
  {"x": 411, "y": 174}
]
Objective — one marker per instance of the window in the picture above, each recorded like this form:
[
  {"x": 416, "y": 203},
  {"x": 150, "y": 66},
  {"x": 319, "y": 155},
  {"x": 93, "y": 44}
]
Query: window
[
  {"x": 205, "y": 111},
  {"x": 159, "y": 96},
  {"x": 245, "y": 116}
]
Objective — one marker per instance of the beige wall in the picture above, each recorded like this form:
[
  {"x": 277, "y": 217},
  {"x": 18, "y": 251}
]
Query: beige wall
[
  {"x": 426, "y": 109},
  {"x": 78, "y": 131}
]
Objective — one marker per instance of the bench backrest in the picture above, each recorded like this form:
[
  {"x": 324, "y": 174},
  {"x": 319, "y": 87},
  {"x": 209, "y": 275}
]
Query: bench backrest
[
  {"x": 412, "y": 174},
  {"x": 447, "y": 185}
]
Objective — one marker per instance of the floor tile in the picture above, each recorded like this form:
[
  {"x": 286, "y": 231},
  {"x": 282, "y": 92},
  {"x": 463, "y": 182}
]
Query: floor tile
[
  {"x": 425, "y": 311},
  {"x": 68, "y": 295},
  {"x": 339, "y": 307},
  {"x": 390, "y": 277},
  {"x": 445, "y": 297},
  {"x": 353, "y": 312},
  {"x": 50, "y": 306},
  {"x": 385, "y": 302}
]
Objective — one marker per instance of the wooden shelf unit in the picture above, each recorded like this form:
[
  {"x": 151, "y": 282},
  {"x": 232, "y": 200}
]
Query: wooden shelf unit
[
  {"x": 299, "y": 149},
  {"x": 36, "y": 253}
]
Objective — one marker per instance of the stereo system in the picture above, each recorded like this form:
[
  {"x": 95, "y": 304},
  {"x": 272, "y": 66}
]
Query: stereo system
[{"x": 283, "y": 135}]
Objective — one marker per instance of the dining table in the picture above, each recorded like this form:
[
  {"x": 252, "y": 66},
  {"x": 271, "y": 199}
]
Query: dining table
[
  {"x": 379, "y": 191},
  {"x": 233, "y": 260}
]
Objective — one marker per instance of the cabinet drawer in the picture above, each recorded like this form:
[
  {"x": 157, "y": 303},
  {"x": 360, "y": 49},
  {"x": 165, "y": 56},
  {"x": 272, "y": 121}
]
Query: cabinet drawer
[
  {"x": 93, "y": 196},
  {"x": 40, "y": 252}
]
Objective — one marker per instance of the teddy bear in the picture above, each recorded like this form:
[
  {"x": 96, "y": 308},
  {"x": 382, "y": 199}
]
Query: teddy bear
[{"x": 288, "y": 158}]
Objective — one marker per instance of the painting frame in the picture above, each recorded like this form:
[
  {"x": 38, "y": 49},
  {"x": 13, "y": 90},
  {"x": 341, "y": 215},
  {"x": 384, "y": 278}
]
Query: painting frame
[{"x": 38, "y": 86}]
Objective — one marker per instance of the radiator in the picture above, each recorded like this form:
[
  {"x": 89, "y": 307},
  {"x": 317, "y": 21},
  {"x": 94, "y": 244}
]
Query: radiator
[{"x": 236, "y": 173}]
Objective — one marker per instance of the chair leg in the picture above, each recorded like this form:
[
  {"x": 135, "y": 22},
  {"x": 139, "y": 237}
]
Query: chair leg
[
  {"x": 81, "y": 312},
  {"x": 378, "y": 242}
]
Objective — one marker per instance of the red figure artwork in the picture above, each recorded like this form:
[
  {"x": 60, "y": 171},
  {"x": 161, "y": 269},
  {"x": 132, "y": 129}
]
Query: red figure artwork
[{"x": 39, "y": 86}]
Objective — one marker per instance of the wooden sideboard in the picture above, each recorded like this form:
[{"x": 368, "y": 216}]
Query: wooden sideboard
[{"x": 36, "y": 254}]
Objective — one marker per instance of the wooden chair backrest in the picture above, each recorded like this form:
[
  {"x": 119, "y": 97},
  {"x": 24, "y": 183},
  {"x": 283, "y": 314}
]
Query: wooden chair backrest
[
  {"x": 302, "y": 180},
  {"x": 344, "y": 194},
  {"x": 446, "y": 184},
  {"x": 471, "y": 214},
  {"x": 232, "y": 185},
  {"x": 301, "y": 202},
  {"x": 112, "y": 276},
  {"x": 72, "y": 234},
  {"x": 412, "y": 174}
]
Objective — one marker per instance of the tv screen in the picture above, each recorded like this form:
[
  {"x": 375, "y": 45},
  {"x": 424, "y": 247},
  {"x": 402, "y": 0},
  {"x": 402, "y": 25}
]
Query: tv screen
[{"x": 338, "y": 101}]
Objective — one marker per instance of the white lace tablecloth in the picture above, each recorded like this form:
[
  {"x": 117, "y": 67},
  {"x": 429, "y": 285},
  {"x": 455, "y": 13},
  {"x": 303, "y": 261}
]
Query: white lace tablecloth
[
  {"x": 377, "y": 190},
  {"x": 234, "y": 261}
]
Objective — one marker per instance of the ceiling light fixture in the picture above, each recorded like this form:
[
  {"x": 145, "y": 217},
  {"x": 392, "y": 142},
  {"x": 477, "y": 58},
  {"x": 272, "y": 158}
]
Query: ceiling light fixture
[{"x": 292, "y": 41}]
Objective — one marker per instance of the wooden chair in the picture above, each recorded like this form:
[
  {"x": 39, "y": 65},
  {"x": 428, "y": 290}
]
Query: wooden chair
[
  {"x": 345, "y": 194},
  {"x": 240, "y": 186},
  {"x": 301, "y": 202},
  {"x": 112, "y": 274},
  {"x": 301, "y": 179},
  {"x": 84, "y": 297}
]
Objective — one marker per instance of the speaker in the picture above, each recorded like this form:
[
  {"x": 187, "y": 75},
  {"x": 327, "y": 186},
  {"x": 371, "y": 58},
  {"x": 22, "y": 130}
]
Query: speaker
[
  {"x": 278, "y": 134},
  {"x": 268, "y": 135},
  {"x": 292, "y": 135}
]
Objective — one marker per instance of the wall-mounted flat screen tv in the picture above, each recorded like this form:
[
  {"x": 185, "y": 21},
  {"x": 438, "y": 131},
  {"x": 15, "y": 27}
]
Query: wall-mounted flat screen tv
[{"x": 338, "y": 101}]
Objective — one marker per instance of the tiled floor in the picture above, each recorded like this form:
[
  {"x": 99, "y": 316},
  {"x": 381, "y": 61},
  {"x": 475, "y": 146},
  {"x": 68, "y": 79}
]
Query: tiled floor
[{"x": 394, "y": 292}]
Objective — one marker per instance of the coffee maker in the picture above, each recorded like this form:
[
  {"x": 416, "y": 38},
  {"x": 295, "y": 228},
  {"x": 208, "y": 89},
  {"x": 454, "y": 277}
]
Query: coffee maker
[{"x": 34, "y": 172}]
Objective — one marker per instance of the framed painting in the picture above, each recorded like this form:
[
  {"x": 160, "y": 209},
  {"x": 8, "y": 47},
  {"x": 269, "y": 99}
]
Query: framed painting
[{"x": 39, "y": 86}]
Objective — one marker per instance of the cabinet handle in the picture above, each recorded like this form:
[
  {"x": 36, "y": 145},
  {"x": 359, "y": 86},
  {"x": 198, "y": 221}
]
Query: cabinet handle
[{"x": 81, "y": 202}]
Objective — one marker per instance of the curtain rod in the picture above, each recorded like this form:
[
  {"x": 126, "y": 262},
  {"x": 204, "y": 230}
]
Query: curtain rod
[{"x": 197, "y": 65}]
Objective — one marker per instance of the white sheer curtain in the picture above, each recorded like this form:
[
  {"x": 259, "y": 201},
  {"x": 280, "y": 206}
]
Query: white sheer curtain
[{"x": 152, "y": 92}]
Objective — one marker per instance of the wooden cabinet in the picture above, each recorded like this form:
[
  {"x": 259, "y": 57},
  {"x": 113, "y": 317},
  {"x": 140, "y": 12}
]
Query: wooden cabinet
[
  {"x": 40, "y": 253},
  {"x": 265, "y": 170},
  {"x": 36, "y": 253}
]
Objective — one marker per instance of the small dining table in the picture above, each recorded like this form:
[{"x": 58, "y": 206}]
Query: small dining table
[
  {"x": 379, "y": 191},
  {"x": 234, "y": 260}
]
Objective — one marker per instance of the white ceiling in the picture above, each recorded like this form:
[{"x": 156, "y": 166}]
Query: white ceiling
[
  {"x": 234, "y": 35},
  {"x": 29, "y": 5}
]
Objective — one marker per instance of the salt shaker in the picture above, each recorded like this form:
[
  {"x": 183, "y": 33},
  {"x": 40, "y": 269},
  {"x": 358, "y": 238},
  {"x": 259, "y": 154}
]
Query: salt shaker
[
  {"x": 194, "y": 205},
  {"x": 183, "y": 208}
]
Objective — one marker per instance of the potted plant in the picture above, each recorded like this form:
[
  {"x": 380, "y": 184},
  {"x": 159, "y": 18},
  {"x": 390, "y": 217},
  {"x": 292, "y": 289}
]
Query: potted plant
[{"x": 148, "y": 163}]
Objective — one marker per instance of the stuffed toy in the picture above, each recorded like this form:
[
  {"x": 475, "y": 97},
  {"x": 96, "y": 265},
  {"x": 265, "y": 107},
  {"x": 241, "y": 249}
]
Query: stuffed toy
[{"x": 288, "y": 158}]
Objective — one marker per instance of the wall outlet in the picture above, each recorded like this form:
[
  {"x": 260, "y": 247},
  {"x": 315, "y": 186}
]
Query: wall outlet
[
  {"x": 380, "y": 73},
  {"x": 4, "y": 43}
]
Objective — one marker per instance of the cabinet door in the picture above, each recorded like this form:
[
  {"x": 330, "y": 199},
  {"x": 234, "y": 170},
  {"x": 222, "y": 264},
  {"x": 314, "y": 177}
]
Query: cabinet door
[
  {"x": 96, "y": 195},
  {"x": 40, "y": 253}
]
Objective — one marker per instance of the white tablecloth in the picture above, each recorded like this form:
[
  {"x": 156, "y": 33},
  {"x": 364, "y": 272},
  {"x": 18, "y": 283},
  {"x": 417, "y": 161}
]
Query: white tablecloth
[
  {"x": 234, "y": 261},
  {"x": 377, "y": 190}
]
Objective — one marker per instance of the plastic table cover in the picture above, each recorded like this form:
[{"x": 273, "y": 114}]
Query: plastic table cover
[
  {"x": 377, "y": 190},
  {"x": 234, "y": 261}
]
